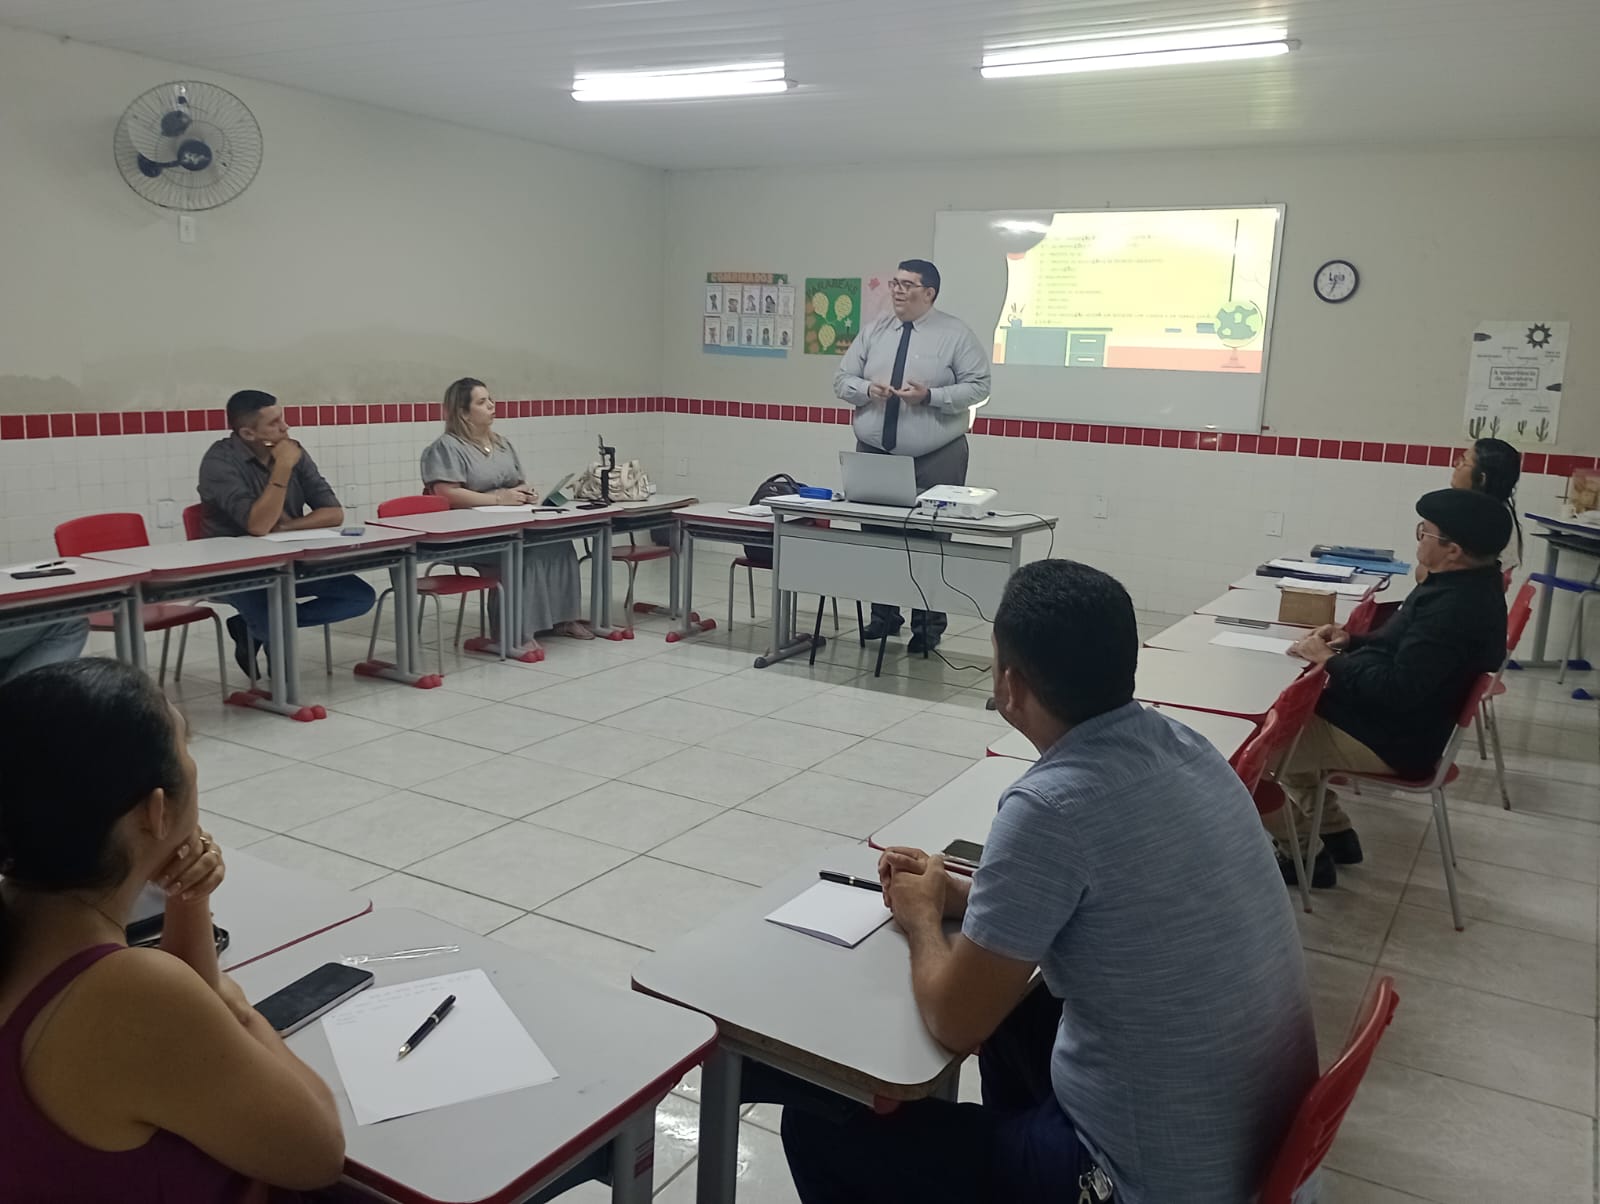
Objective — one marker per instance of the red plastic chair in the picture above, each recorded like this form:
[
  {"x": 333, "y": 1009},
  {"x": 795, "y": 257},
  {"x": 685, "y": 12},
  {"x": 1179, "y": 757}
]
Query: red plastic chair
[
  {"x": 1516, "y": 623},
  {"x": 633, "y": 556},
  {"x": 194, "y": 527},
  {"x": 1317, "y": 1120},
  {"x": 112, "y": 532},
  {"x": 1363, "y": 616},
  {"x": 455, "y": 583},
  {"x": 750, "y": 563},
  {"x": 1432, "y": 786}
]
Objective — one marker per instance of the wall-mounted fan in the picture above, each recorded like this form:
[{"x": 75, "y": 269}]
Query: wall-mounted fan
[{"x": 188, "y": 146}]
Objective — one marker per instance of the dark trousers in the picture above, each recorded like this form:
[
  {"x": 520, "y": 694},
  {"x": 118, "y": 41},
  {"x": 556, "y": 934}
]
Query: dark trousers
[
  {"x": 1017, "y": 1147},
  {"x": 945, "y": 465},
  {"x": 325, "y": 600}
]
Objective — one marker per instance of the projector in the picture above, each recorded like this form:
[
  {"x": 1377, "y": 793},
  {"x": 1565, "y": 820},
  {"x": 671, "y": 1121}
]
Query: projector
[{"x": 956, "y": 501}]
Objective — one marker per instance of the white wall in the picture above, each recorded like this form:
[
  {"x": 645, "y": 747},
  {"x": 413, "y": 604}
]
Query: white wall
[
  {"x": 1443, "y": 238},
  {"x": 376, "y": 256}
]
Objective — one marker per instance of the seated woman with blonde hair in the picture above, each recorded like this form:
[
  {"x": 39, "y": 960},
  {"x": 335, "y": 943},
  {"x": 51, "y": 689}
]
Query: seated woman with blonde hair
[
  {"x": 470, "y": 465},
  {"x": 131, "y": 1076}
]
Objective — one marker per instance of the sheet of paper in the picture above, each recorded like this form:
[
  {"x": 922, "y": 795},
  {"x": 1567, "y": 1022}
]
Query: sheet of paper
[
  {"x": 753, "y": 511},
  {"x": 479, "y": 1049},
  {"x": 303, "y": 536},
  {"x": 830, "y": 911},
  {"x": 1333, "y": 572},
  {"x": 1256, "y": 643},
  {"x": 527, "y": 509}
]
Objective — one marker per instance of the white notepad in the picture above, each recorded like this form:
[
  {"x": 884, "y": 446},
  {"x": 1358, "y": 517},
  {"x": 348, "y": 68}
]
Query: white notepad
[
  {"x": 1256, "y": 643},
  {"x": 756, "y": 511},
  {"x": 304, "y": 536},
  {"x": 479, "y": 1049},
  {"x": 829, "y": 911},
  {"x": 524, "y": 509}
]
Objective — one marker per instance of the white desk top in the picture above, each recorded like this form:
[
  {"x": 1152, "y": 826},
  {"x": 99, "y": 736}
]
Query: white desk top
[
  {"x": 1227, "y": 734},
  {"x": 197, "y": 557},
  {"x": 721, "y": 514},
  {"x": 1565, "y": 526},
  {"x": 1003, "y": 524},
  {"x": 961, "y": 809},
  {"x": 657, "y": 504},
  {"x": 88, "y": 577},
  {"x": 447, "y": 525},
  {"x": 336, "y": 545},
  {"x": 1231, "y": 681},
  {"x": 615, "y": 1052},
  {"x": 265, "y": 907},
  {"x": 847, "y": 1014},
  {"x": 1263, "y": 604},
  {"x": 1193, "y": 633}
]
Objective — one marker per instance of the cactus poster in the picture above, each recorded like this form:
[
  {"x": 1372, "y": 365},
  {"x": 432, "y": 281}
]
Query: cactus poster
[
  {"x": 833, "y": 314},
  {"x": 1514, "y": 381}
]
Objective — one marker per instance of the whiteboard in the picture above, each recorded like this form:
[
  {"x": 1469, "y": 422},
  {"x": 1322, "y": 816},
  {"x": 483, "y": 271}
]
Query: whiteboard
[{"x": 1068, "y": 364}]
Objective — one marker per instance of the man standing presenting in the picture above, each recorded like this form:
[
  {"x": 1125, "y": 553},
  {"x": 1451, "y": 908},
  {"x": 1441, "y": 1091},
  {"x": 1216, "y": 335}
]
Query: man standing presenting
[
  {"x": 914, "y": 377},
  {"x": 259, "y": 480}
]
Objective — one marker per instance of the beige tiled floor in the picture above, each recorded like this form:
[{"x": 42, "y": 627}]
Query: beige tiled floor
[{"x": 594, "y": 806}]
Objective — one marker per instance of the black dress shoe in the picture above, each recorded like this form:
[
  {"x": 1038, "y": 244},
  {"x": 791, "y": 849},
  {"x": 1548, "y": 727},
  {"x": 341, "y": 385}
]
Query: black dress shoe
[
  {"x": 1344, "y": 847},
  {"x": 1323, "y": 874},
  {"x": 245, "y": 647},
  {"x": 922, "y": 643},
  {"x": 879, "y": 630}
]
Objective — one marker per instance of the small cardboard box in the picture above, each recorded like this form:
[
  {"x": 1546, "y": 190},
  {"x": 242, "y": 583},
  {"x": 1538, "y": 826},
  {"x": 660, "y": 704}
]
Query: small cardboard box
[{"x": 1305, "y": 607}]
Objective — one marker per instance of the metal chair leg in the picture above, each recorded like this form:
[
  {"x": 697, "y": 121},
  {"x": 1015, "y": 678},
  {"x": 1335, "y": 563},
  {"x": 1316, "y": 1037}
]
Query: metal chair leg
[
  {"x": 1499, "y": 757},
  {"x": 750, "y": 580},
  {"x": 1316, "y": 819},
  {"x": 861, "y": 627},
  {"x": 327, "y": 648},
  {"x": 1297, "y": 855},
  {"x": 438, "y": 629},
  {"x": 836, "y": 616},
  {"x": 1447, "y": 854},
  {"x": 1571, "y": 650},
  {"x": 166, "y": 642},
  {"x": 627, "y": 603},
  {"x": 183, "y": 646},
  {"x": 733, "y": 567},
  {"x": 377, "y": 623},
  {"x": 222, "y": 656},
  {"x": 461, "y": 617},
  {"x": 816, "y": 632},
  {"x": 1477, "y": 726}
]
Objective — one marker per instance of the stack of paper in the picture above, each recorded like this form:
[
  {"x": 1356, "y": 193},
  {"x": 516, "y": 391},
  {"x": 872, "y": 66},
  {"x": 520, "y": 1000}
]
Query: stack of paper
[
  {"x": 1256, "y": 643},
  {"x": 756, "y": 511},
  {"x": 479, "y": 1049},
  {"x": 833, "y": 912},
  {"x": 1345, "y": 589},
  {"x": 1312, "y": 568}
]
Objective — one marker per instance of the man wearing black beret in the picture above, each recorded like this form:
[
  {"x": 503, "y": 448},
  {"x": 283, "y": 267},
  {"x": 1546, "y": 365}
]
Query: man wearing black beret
[{"x": 1393, "y": 697}]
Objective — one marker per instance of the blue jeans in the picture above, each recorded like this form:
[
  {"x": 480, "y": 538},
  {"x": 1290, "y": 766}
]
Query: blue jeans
[
  {"x": 35, "y": 646},
  {"x": 1017, "y": 1147},
  {"x": 325, "y": 600}
]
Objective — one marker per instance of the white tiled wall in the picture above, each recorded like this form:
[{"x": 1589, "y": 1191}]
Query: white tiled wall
[{"x": 45, "y": 482}]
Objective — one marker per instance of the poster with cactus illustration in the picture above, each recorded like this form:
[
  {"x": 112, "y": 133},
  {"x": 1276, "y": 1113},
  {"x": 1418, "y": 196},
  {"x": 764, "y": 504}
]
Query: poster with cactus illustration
[
  {"x": 1514, "y": 381},
  {"x": 833, "y": 314}
]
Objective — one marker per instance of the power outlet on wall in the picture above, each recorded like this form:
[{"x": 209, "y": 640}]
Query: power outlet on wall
[
  {"x": 1274, "y": 522},
  {"x": 166, "y": 513},
  {"x": 1100, "y": 509},
  {"x": 683, "y": 466},
  {"x": 186, "y": 227}
]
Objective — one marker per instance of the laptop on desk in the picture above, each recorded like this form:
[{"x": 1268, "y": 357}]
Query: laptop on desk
[{"x": 879, "y": 480}]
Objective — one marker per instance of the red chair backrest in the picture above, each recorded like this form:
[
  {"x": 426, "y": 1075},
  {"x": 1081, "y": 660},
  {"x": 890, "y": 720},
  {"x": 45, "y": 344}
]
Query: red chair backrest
[
  {"x": 1517, "y": 620},
  {"x": 194, "y": 522},
  {"x": 420, "y": 503},
  {"x": 1250, "y": 762},
  {"x": 101, "y": 533},
  {"x": 1361, "y": 618},
  {"x": 1317, "y": 1120},
  {"x": 1481, "y": 686},
  {"x": 1298, "y": 703}
]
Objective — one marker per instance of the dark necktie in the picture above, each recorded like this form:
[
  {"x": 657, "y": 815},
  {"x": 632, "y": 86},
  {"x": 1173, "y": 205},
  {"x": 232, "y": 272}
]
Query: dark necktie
[{"x": 891, "y": 412}]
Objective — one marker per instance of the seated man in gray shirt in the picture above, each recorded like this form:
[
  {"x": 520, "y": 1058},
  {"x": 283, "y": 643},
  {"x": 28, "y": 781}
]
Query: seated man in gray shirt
[
  {"x": 259, "y": 480},
  {"x": 1128, "y": 866}
]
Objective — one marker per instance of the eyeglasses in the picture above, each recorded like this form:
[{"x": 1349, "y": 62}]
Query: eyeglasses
[
  {"x": 897, "y": 285},
  {"x": 1425, "y": 534}
]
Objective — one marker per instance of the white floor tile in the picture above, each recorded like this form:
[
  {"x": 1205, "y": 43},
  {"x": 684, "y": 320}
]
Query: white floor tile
[
  {"x": 763, "y": 1172},
  {"x": 628, "y": 816},
  {"x": 512, "y": 786},
  {"x": 710, "y": 776},
  {"x": 348, "y": 872},
  {"x": 753, "y": 692},
  {"x": 678, "y": 720},
  {"x": 750, "y": 848},
  {"x": 411, "y": 708},
  {"x": 895, "y": 766},
  {"x": 297, "y": 794},
  {"x": 579, "y": 700},
  {"x": 472, "y": 912},
  {"x": 230, "y": 833},
  {"x": 820, "y": 800},
  {"x": 599, "y": 957},
  {"x": 399, "y": 829},
  {"x": 520, "y": 865},
  {"x": 602, "y": 751},
  {"x": 943, "y": 733},
  {"x": 502, "y": 728},
  {"x": 405, "y": 758},
  {"x": 780, "y": 743},
  {"x": 646, "y": 902},
  {"x": 219, "y": 762}
]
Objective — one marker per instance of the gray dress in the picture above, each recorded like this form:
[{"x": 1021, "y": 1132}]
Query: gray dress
[{"x": 551, "y": 592}]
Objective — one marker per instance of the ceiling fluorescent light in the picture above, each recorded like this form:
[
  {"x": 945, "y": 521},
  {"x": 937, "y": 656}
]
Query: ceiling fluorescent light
[
  {"x": 737, "y": 79},
  {"x": 1153, "y": 50}
]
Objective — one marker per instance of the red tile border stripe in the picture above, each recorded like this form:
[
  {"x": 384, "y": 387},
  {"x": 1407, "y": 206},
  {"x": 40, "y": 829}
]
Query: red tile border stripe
[{"x": 154, "y": 422}]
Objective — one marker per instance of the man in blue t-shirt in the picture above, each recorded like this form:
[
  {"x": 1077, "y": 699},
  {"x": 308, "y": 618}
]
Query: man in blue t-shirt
[{"x": 1128, "y": 866}]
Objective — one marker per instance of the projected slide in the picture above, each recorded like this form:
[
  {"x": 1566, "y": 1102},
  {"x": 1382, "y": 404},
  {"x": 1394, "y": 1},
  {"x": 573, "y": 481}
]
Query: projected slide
[{"x": 1182, "y": 290}]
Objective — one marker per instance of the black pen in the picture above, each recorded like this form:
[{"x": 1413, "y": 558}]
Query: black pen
[
  {"x": 850, "y": 880},
  {"x": 428, "y": 1025}
]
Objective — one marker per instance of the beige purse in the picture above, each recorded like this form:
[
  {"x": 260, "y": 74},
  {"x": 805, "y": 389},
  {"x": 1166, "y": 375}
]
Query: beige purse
[{"x": 628, "y": 481}]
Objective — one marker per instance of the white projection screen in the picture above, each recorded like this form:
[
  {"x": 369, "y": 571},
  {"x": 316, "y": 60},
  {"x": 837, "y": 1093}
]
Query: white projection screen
[{"x": 1132, "y": 317}]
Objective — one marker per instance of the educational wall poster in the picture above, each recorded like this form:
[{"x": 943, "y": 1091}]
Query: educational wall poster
[
  {"x": 875, "y": 299},
  {"x": 1514, "y": 381},
  {"x": 744, "y": 314},
  {"x": 833, "y": 313}
]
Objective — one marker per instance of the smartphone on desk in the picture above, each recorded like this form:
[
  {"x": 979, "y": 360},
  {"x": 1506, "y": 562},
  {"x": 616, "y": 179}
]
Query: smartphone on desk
[
  {"x": 314, "y": 995},
  {"x": 32, "y": 574},
  {"x": 964, "y": 854}
]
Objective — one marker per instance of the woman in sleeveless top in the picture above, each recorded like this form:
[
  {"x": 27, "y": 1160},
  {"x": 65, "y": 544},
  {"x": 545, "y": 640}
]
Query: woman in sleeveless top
[
  {"x": 470, "y": 465},
  {"x": 133, "y": 1076}
]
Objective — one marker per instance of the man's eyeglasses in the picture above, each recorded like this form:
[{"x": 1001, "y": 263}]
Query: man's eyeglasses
[
  {"x": 897, "y": 285},
  {"x": 1423, "y": 533}
]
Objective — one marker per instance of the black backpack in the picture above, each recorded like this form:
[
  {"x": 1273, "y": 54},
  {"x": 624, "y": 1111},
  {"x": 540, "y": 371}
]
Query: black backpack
[{"x": 777, "y": 485}]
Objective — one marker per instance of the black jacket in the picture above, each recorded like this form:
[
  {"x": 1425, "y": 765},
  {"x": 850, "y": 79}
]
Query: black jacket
[{"x": 1399, "y": 691}]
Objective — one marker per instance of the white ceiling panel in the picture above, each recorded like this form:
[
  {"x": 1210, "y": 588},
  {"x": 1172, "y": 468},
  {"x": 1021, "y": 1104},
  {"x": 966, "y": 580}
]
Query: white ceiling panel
[{"x": 889, "y": 79}]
